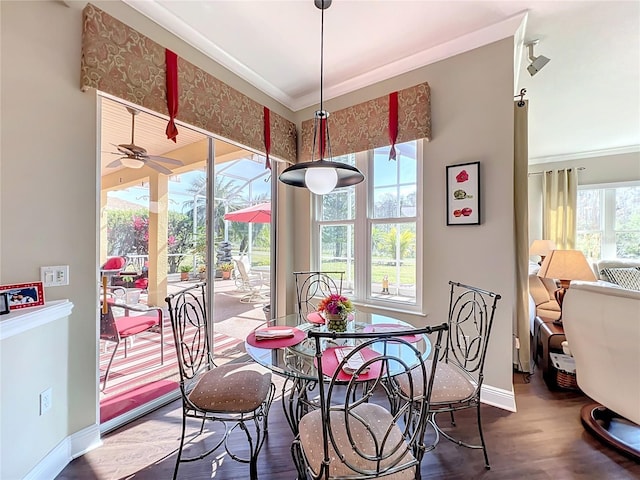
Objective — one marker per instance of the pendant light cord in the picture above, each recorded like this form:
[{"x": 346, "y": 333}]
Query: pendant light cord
[{"x": 321, "y": 54}]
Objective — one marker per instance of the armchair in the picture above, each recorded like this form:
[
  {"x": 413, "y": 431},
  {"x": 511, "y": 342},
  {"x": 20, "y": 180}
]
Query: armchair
[{"x": 602, "y": 326}]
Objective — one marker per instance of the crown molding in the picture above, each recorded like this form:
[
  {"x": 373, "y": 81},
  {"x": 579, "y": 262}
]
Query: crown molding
[
  {"x": 492, "y": 33},
  {"x": 587, "y": 154}
]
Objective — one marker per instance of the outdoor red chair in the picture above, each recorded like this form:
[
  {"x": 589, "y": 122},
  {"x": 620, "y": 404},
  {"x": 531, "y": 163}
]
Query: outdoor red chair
[
  {"x": 113, "y": 266},
  {"x": 116, "y": 329}
]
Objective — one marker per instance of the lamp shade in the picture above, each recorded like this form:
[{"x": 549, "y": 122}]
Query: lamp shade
[
  {"x": 541, "y": 247},
  {"x": 566, "y": 265},
  {"x": 296, "y": 175}
]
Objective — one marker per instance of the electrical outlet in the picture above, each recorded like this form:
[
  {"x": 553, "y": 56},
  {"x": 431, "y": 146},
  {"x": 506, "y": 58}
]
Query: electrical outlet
[{"x": 46, "y": 400}]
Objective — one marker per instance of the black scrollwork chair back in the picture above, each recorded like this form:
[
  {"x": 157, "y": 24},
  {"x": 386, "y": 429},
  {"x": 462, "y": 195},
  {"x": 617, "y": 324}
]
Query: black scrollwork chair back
[
  {"x": 365, "y": 426},
  {"x": 311, "y": 287},
  {"x": 231, "y": 395}
]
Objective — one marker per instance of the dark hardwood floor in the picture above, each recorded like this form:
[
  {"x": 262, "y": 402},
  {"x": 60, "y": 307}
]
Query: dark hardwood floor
[{"x": 543, "y": 440}]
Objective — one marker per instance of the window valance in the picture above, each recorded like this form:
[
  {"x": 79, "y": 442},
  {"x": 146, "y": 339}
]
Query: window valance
[
  {"x": 118, "y": 60},
  {"x": 366, "y": 126}
]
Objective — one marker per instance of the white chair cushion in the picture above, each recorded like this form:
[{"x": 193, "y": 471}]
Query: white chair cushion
[
  {"x": 375, "y": 418},
  {"x": 232, "y": 388}
]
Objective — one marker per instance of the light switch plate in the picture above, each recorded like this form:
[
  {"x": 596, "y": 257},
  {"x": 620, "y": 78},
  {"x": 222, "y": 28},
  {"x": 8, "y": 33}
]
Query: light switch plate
[{"x": 55, "y": 276}]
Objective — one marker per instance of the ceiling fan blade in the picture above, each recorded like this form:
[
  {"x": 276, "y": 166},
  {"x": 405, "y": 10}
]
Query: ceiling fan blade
[
  {"x": 159, "y": 168},
  {"x": 170, "y": 161},
  {"x": 114, "y": 164},
  {"x": 123, "y": 150}
]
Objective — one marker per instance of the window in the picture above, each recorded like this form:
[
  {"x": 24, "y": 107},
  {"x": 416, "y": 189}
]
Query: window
[
  {"x": 371, "y": 231},
  {"x": 608, "y": 221}
]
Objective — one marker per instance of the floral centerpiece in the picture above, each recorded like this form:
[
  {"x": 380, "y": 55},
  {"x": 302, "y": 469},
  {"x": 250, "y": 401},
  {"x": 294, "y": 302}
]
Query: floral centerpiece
[{"x": 335, "y": 309}]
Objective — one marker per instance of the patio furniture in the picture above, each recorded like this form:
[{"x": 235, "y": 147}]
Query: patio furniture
[
  {"x": 119, "y": 329},
  {"x": 366, "y": 427},
  {"x": 113, "y": 266},
  {"x": 252, "y": 283},
  {"x": 234, "y": 395}
]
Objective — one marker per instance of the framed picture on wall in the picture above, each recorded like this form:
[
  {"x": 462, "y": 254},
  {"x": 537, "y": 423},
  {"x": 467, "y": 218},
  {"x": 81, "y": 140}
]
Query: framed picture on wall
[
  {"x": 463, "y": 194},
  {"x": 24, "y": 295}
]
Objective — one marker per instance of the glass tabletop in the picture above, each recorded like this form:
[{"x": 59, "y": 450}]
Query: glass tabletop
[{"x": 297, "y": 361}]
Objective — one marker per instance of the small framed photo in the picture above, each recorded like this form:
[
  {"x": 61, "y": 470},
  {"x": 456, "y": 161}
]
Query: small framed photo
[
  {"x": 463, "y": 194},
  {"x": 23, "y": 295}
]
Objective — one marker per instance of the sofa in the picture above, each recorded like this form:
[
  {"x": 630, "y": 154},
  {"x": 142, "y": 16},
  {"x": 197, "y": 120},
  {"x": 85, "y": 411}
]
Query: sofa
[
  {"x": 623, "y": 272},
  {"x": 542, "y": 300},
  {"x": 602, "y": 327}
]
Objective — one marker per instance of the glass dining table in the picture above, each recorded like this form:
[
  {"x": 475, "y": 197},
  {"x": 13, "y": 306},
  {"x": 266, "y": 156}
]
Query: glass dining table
[{"x": 292, "y": 357}]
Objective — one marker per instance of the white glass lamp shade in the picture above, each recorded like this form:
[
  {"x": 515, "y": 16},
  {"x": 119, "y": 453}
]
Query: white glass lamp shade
[
  {"x": 321, "y": 180},
  {"x": 131, "y": 162}
]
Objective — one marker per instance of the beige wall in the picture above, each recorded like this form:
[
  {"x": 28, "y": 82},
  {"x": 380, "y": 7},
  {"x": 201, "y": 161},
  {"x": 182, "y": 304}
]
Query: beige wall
[
  {"x": 48, "y": 204},
  {"x": 472, "y": 112},
  {"x": 48, "y": 184}
]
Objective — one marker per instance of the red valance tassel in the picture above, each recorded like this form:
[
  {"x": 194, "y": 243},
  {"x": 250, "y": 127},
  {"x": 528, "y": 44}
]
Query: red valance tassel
[
  {"x": 267, "y": 137},
  {"x": 323, "y": 139},
  {"x": 171, "y": 60},
  {"x": 393, "y": 123}
]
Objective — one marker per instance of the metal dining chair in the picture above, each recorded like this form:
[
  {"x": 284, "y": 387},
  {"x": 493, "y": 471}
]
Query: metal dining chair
[
  {"x": 311, "y": 287},
  {"x": 460, "y": 373},
  {"x": 233, "y": 396},
  {"x": 365, "y": 426}
]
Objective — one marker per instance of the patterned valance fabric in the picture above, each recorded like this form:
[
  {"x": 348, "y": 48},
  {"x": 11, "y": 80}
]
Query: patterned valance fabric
[
  {"x": 366, "y": 126},
  {"x": 118, "y": 60}
]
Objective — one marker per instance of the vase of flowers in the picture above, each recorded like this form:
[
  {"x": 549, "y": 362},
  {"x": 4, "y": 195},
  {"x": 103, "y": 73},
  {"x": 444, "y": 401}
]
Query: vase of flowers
[{"x": 335, "y": 309}]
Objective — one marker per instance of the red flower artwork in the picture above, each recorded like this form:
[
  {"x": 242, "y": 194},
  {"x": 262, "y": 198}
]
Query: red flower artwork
[{"x": 463, "y": 176}]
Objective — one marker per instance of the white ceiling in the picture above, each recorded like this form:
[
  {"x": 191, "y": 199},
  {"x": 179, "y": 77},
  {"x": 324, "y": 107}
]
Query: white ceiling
[{"x": 585, "y": 101}]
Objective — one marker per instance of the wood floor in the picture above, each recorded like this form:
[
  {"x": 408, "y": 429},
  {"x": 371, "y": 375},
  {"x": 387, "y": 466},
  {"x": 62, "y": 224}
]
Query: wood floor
[{"x": 543, "y": 440}]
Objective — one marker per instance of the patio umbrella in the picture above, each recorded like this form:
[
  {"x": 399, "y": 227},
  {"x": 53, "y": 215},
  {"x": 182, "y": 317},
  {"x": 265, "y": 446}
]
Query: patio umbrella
[{"x": 260, "y": 213}]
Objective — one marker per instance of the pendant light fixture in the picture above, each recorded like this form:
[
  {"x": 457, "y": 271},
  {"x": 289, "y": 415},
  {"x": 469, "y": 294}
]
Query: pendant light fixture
[{"x": 323, "y": 175}]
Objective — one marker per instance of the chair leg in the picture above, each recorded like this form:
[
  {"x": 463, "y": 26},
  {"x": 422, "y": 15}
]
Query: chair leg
[
  {"x": 106, "y": 374},
  {"x": 484, "y": 446},
  {"x": 184, "y": 426}
]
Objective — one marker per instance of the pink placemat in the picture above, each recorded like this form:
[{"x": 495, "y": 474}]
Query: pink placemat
[
  {"x": 391, "y": 327},
  {"x": 315, "y": 317},
  {"x": 298, "y": 336},
  {"x": 330, "y": 363}
]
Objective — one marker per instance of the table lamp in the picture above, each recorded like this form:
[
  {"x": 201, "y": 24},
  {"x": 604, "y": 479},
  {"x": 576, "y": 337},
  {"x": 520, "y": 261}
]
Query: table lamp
[
  {"x": 542, "y": 248},
  {"x": 565, "y": 265}
]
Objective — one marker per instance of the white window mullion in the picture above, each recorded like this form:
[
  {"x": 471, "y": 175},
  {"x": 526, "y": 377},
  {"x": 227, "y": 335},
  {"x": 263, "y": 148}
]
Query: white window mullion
[
  {"x": 363, "y": 228},
  {"x": 609, "y": 219}
]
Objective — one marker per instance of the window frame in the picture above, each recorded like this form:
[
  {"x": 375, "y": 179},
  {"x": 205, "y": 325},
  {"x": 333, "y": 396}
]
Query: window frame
[
  {"x": 363, "y": 223},
  {"x": 607, "y": 228}
]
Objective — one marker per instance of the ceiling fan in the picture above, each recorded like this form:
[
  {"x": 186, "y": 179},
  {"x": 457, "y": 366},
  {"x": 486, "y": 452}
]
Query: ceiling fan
[{"x": 137, "y": 157}]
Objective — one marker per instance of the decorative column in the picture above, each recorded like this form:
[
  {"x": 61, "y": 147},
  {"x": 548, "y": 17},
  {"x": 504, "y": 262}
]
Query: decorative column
[{"x": 158, "y": 234}]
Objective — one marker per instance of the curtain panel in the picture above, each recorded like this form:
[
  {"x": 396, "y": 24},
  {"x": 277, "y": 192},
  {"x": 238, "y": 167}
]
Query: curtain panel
[
  {"x": 118, "y": 60},
  {"x": 366, "y": 126},
  {"x": 560, "y": 190},
  {"x": 521, "y": 224}
]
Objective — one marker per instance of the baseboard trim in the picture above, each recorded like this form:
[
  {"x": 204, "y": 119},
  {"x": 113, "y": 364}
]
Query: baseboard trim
[
  {"x": 497, "y": 397},
  {"x": 71, "y": 447}
]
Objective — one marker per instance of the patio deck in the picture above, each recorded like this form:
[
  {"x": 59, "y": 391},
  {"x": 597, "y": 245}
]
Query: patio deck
[{"x": 232, "y": 321}]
